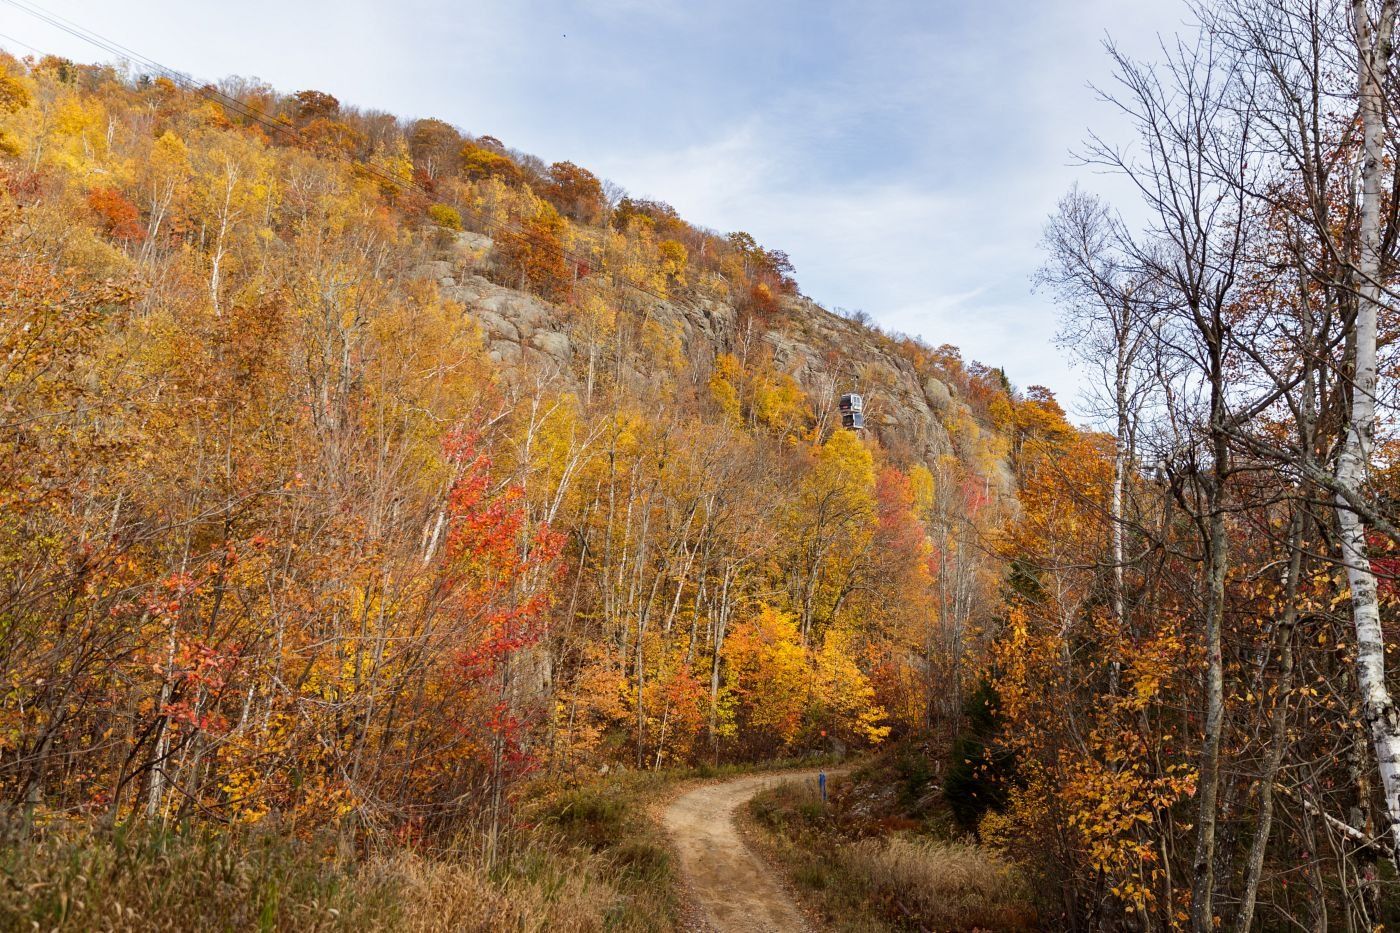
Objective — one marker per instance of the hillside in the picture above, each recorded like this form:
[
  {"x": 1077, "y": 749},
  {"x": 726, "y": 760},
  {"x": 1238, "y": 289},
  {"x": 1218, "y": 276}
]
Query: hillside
[{"x": 373, "y": 468}]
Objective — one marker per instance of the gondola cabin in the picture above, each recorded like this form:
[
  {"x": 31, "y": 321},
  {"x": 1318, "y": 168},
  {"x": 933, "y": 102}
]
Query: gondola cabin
[{"x": 852, "y": 412}]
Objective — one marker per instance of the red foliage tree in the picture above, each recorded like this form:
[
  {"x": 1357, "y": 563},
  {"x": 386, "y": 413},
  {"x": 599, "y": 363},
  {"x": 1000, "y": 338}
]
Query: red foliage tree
[
  {"x": 119, "y": 218},
  {"x": 576, "y": 192},
  {"x": 496, "y": 573}
]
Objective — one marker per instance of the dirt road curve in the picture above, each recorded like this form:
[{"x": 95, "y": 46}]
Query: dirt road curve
[{"x": 733, "y": 887}]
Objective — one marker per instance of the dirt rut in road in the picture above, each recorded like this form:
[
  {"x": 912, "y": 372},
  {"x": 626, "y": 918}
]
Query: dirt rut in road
[{"x": 736, "y": 890}]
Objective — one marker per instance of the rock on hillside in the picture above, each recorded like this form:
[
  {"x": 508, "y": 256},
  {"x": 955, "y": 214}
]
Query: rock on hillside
[{"x": 825, "y": 353}]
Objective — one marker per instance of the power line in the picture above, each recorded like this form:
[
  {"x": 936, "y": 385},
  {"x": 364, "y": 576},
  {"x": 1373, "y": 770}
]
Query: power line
[
  {"x": 15, "y": 41},
  {"x": 213, "y": 94}
]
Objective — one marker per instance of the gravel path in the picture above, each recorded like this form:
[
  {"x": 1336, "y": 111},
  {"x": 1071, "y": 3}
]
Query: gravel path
[{"x": 735, "y": 889}]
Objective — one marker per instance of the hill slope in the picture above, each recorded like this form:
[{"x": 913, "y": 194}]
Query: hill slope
[{"x": 359, "y": 469}]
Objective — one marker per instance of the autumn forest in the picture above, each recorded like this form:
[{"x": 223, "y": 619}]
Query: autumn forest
[{"x": 393, "y": 522}]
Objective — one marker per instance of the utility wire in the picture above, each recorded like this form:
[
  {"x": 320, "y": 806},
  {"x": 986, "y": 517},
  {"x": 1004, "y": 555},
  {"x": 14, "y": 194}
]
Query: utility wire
[
  {"x": 212, "y": 93},
  {"x": 14, "y": 41}
]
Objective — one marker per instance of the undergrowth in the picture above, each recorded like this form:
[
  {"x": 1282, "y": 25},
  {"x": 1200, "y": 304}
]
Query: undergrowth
[
  {"x": 581, "y": 857},
  {"x": 150, "y": 879},
  {"x": 876, "y": 856}
]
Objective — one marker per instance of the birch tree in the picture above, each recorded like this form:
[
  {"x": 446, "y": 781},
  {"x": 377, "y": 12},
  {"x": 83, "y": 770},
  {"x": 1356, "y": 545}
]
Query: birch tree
[
  {"x": 1107, "y": 327},
  {"x": 1373, "y": 34}
]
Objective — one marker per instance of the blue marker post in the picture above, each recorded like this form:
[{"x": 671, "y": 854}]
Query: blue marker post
[{"x": 821, "y": 784}]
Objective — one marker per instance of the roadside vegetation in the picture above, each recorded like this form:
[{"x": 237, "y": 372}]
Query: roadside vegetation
[
  {"x": 881, "y": 854},
  {"x": 580, "y": 859}
]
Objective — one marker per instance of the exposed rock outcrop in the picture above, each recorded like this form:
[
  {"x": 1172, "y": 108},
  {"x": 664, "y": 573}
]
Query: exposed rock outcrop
[{"x": 825, "y": 353}]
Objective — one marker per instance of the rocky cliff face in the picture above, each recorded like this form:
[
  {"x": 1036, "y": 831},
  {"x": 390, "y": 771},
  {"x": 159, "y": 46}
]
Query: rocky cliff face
[{"x": 825, "y": 353}]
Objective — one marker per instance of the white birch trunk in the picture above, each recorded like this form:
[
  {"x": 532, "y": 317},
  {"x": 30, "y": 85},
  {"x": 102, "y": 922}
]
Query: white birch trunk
[
  {"x": 1120, "y": 482},
  {"x": 1378, "y": 708},
  {"x": 231, "y": 173}
]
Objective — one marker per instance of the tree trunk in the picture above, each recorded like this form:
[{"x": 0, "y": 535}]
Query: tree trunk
[
  {"x": 1203, "y": 887},
  {"x": 1278, "y": 729},
  {"x": 1203, "y": 880},
  {"x": 1120, "y": 481},
  {"x": 1378, "y": 708}
]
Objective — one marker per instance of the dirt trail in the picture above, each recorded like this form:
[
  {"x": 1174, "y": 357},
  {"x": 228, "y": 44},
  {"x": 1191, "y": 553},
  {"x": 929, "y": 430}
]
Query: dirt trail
[{"x": 734, "y": 888}]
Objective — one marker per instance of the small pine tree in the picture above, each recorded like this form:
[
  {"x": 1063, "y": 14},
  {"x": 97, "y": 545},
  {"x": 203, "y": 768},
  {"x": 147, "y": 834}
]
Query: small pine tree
[{"x": 978, "y": 771}]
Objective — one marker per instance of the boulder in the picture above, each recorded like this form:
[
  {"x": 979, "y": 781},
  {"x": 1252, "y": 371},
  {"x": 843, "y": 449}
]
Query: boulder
[
  {"x": 937, "y": 394},
  {"x": 554, "y": 344},
  {"x": 503, "y": 352},
  {"x": 439, "y": 270},
  {"x": 474, "y": 242}
]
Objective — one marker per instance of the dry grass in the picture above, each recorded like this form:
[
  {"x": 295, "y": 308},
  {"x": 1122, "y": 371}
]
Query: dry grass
[
  {"x": 863, "y": 878},
  {"x": 80, "y": 880},
  {"x": 146, "y": 880},
  {"x": 558, "y": 895},
  {"x": 940, "y": 885}
]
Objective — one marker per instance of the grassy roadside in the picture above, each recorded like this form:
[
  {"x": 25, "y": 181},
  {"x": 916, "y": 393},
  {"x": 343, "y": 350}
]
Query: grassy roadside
[
  {"x": 879, "y": 856},
  {"x": 247, "y": 880},
  {"x": 584, "y": 856}
]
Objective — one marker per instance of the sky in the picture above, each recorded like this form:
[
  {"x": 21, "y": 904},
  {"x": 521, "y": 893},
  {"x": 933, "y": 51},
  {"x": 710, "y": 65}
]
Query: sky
[{"x": 905, "y": 153}]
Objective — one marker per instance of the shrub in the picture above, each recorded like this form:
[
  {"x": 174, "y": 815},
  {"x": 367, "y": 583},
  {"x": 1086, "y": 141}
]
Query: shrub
[
  {"x": 117, "y": 215},
  {"x": 445, "y": 216},
  {"x": 592, "y": 816},
  {"x": 977, "y": 770}
]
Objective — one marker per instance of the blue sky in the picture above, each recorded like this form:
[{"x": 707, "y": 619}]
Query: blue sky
[{"x": 904, "y": 153}]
